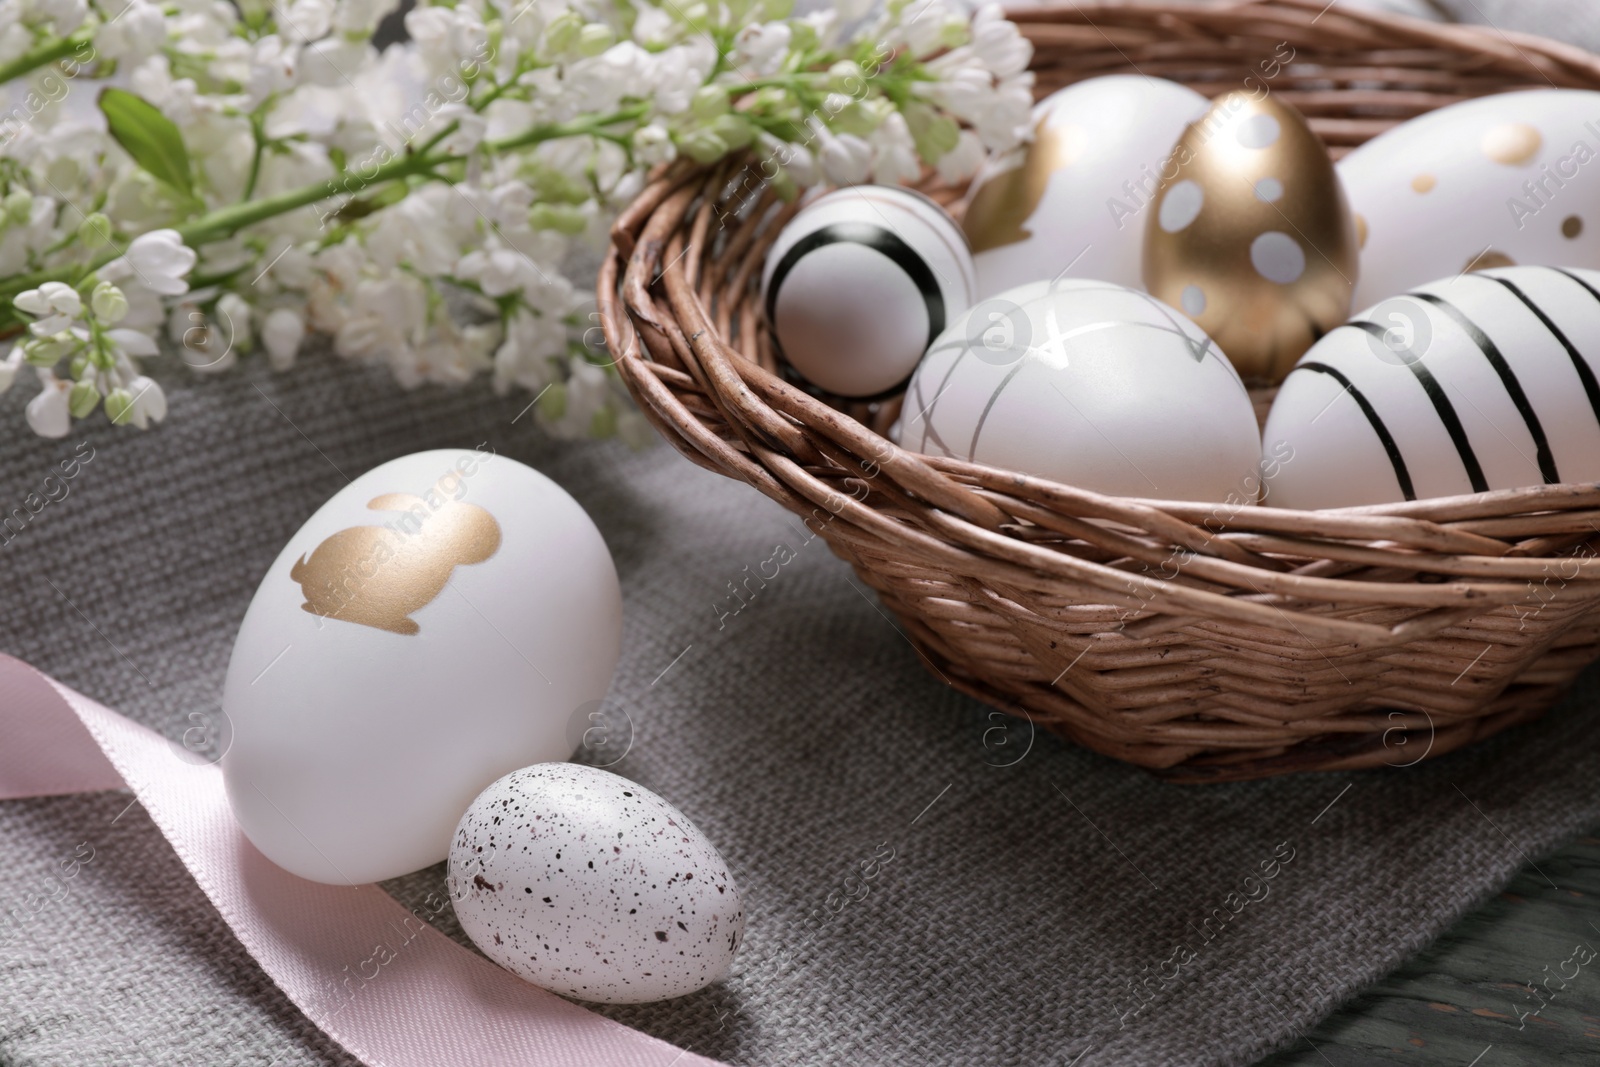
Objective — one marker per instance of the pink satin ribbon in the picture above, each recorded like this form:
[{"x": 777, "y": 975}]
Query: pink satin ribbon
[{"x": 431, "y": 1002}]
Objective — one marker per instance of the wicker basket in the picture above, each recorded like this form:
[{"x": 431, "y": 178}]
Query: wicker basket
[{"x": 1289, "y": 641}]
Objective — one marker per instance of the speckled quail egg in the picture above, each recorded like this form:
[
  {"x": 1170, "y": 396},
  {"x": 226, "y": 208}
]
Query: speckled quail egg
[{"x": 593, "y": 887}]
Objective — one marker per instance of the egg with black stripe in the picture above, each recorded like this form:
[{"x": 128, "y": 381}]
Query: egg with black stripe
[
  {"x": 1089, "y": 384},
  {"x": 858, "y": 285},
  {"x": 1487, "y": 380}
]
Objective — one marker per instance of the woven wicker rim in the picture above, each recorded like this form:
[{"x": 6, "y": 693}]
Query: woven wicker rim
[{"x": 1314, "y": 626}]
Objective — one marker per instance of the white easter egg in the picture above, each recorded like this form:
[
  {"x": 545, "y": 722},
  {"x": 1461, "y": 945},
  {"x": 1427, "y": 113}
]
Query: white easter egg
[
  {"x": 860, "y": 282},
  {"x": 434, "y": 625},
  {"x": 1088, "y": 384},
  {"x": 1074, "y": 198},
  {"x": 593, "y": 887},
  {"x": 1493, "y": 182},
  {"x": 1482, "y": 381}
]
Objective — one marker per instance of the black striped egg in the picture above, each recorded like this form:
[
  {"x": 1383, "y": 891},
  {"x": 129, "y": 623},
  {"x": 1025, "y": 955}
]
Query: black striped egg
[
  {"x": 1488, "y": 380},
  {"x": 860, "y": 282},
  {"x": 1088, "y": 384}
]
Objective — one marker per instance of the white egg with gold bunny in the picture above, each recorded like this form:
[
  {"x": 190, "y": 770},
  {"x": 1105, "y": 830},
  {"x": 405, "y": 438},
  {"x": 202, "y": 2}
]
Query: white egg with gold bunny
[
  {"x": 1073, "y": 199},
  {"x": 434, "y": 625}
]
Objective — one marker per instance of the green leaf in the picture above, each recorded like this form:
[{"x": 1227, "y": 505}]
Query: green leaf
[{"x": 152, "y": 139}]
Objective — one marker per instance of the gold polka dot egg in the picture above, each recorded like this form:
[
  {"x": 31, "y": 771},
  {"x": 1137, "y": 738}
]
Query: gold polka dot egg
[
  {"x": 1493, "y": 182},
  {"x": 1252, "y": 236},
  {"x": 1482, "y": 381},
  {"x": 860, "y": 282},
  {"x": 1089, "y": 384}
]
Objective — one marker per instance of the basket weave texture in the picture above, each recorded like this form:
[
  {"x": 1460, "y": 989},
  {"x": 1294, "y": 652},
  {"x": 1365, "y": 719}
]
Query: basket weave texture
[{"x": 1205, "y": 641}]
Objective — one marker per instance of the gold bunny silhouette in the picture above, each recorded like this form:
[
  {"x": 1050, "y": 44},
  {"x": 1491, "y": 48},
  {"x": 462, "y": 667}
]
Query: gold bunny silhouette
[
  {"x": 1000, "y": 209},
  {"x": 378, "y": 575}
]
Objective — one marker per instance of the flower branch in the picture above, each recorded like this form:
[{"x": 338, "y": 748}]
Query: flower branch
[{"x": 253, "y": 179}]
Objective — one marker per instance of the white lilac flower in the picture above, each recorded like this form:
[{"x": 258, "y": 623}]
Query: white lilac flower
[
  {"x": 147, "y": 402},
  {"x": 49, "y": 414},
  {"x": 446, "y": 37},
  {"x": 64, "y": 16},
  {"x": 136, "y": 30},
  {"x": 131, "y": 343},
  {"x": 159, "y": 261},
  {"x": 16, "y": 207},
  {"x": 923, "y": 27},
  {"x": 962, "y": 87},
  {"x": 342, "y": 263},
  {"x": 289, "y": 265},
  {"x": 15, "y": 38},
  {"x": 338, "y": 63},
  {"x": 469, "y": 131},
  {"x": 361, "y": 17},
  {"x": 608, "y": 164},
  {"x": 964, "y": 160},
  {"x": 497, "y": 271},
  {"x": 281, "y": 334},
  {"x": 894, "y": 153},
  {"x": 109, "y": 304},
  {"x": 795, "y": 160},
  {"x": 525, "y": 22},
  {"x": 54, "y": 305},
  {"x": 588, "y": 394},
  {"x": 274, "y": 68},
  {"x": 507, "y": 205},
  {"x": 529, "y": 354},
  {"x": 414, "y": 232},
  {"x": 679, "y": 72},
  {"x": 652, "y": 144},
  {"x": 598, "y": 84},
  {"x": 85, "y": 394},
  {"x": 175, "y": 98},
  {"x": 448, "y": 354},
  {"x": 653, "y": 26},
  {"x": 237, "y": 317},
  {"x": 621, "y": 194},
  {"x": 19, "y": 242},
  {"x": 845, "y": 159},
  {"x": 205, "y": 26},
  {"x": 306, "y": 20},
  {"x": 146, "y": 310},
  {"x": 9, "y": 365},
  {"x": 386, "y": 319},
  {"x": 762, "y": 47},
  {"x": 309, "y": 114},
  {"x": 999, "y": 45},
  {"x": 820, "y": 26}
]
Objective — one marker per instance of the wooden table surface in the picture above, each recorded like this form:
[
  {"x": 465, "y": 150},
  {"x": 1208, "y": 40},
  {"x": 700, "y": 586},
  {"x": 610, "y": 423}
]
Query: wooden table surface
[{"x": 1457, "y": 1004}]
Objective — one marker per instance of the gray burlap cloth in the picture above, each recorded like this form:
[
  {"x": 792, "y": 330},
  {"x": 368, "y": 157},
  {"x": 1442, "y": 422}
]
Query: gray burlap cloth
[{"x": 926, "y": 883}]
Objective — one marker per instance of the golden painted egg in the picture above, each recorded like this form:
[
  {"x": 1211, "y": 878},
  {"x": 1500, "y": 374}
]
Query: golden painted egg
[
  {"x": 1252, "y": 235},
  {"x": 1070, "y": 201}
]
